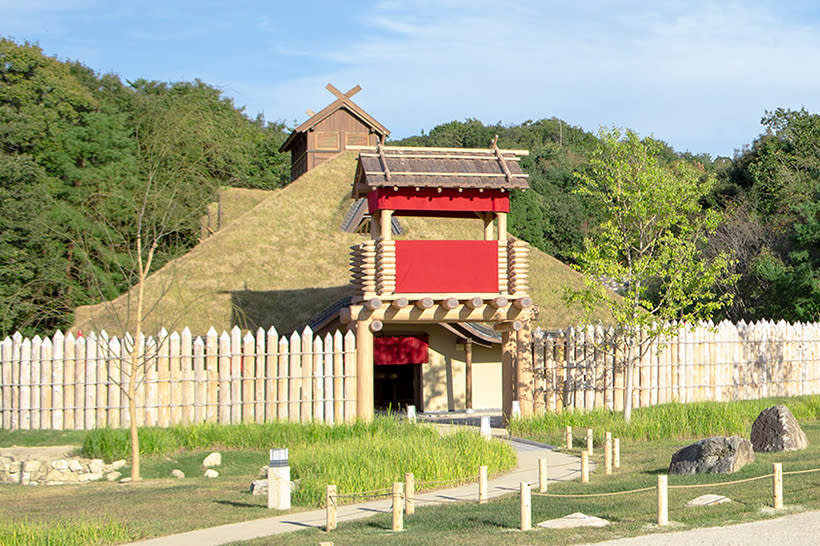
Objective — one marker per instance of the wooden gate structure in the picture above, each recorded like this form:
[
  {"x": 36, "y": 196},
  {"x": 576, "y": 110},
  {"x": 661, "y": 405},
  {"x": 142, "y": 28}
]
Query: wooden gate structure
[{"x": 441, "y": 281}]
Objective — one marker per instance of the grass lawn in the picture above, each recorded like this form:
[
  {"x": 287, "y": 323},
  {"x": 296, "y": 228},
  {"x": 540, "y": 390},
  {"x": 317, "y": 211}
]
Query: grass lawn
[
  {"x": 351, "y": 456},
  {"x": 496, "y": 523}
]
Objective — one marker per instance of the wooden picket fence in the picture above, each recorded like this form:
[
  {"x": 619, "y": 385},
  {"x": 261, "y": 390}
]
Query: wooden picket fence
[
  {"x": 68, "y": 382},
  {"x": 579, "y": 368}
]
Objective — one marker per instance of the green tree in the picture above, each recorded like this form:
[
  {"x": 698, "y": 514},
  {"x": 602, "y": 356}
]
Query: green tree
[{"x": 648, "y": 245}]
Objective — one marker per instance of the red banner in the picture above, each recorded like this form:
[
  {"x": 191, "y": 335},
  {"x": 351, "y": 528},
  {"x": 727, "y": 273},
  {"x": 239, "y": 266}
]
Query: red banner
[
  {"x": 446, "y": 267},
  {"x": 400, "y": 350}
]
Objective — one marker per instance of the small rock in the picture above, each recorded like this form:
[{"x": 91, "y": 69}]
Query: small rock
[
  {"x": 259, "y": 487},
  {"x": 113, "y": 476},
  {"x": 574, "y": 520},
  {"x": 776, "y": 429},
  {"x": 95, "y": 466},
  {"x": 31, "y": 466},
  {"x": 211, "y": 473},
  {"x": 75, "y": 466},
  {"x": 214, "y": 459},
  {"x": 720, "y": 454},
  {"x": 119, "y": 463},
  {"x": 125, "y": 480},
  {"x": 60, "y": 464},
  {"x": 90, "y": 477},
  {"x": 708, "y": 500},
  {"x": 177, "y": 473}
]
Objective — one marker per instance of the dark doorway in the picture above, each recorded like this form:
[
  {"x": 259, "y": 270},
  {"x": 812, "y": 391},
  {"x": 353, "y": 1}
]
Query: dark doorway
[{"x": 397, "y": 386}]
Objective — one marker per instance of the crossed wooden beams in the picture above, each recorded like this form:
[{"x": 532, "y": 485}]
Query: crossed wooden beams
[{"x": 341, "y": 98}]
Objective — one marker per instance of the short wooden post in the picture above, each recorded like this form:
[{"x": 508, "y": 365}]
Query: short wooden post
[
  {"x": 584, "y": 467},
  {"x": 398, "y": 513},
  {"x": 526, "y": 507},
  {"x": 608, "y": 455},
  {"x": 568, "y": 436},
  {"x": 410, "y": 492},
  {"x": 617, "y": 455},
  {"x": 542, "y": 474},
  {"x": 589, "y": 441},
  {"x": 330, "y": 501},
  {"x": 482, "y": 484},
  {"x": 777, "y": 485},
  {"x": 663, "y": 500}
]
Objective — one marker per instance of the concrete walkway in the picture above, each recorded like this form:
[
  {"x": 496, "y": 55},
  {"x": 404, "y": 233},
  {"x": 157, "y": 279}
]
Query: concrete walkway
[{"x": 560, "y": 467}]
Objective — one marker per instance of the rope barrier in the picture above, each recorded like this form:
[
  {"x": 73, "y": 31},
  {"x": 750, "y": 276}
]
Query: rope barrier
[
  {"x": 719, "y": 484},
  {"x": 589, "y": 495},
  {"x": 791, "y": 472}
]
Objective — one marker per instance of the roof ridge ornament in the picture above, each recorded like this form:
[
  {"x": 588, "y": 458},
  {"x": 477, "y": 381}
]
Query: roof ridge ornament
[{"x": 501, "y": 161}]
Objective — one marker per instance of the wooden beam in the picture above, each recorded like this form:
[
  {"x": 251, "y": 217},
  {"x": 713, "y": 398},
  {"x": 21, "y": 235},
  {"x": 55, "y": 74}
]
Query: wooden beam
[
  {"x": 343, "y": 96},
  {"x": 415, "y": 313},
  {"x": 523, "y": 303},
  {"x": 510, "y": 157},
  {"x": 455, "y": 150},
  {"x": 499, "y": 302},
  {"x": 449, "y": 304},
  {"x": 364, "y": 371},
  {"x": 376, "y": 326},
  {"x": 474, "y": 303},
  {"x": 400, "y": 303},
  {"x": 513, "y": 326},
  {"x": 373, "y": 304},
  {"x": 424, "y": 303},
  {"x": 468, "y": 175}
]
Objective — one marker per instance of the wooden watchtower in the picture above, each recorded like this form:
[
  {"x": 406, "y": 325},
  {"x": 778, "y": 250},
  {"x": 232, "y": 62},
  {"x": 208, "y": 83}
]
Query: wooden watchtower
[
  {"x": 441, "y": 281},
  {"x": 339, "y": 126}
]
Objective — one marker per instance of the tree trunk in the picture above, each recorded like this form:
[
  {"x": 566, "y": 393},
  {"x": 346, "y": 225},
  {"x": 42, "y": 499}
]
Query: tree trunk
[{"x": 629, "y": 370}]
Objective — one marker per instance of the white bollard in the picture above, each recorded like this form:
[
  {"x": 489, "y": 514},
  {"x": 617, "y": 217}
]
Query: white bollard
[
  {"x": 486, "y": 431},
  {"x": 411, "y": 414},
  {"x": 516, "y": 408},
  {"x": 279, "y": 480}
]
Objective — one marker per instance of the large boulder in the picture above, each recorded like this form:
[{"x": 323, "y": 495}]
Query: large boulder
[
  {"x": 776, "y": 429},
  {"x": 720, "y": 454}
]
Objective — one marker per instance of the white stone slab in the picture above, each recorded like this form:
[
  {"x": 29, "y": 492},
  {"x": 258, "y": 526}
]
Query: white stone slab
[
  {"x": 574, "y": 520},
  {"x": 708, "y": 500}
]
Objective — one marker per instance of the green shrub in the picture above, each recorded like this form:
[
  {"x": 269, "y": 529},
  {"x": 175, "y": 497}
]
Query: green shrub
[{"x": 665, "y": 421}]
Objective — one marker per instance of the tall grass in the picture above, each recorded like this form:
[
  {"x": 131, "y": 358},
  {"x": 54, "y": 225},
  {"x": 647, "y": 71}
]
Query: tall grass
[
  {"x": 666, "y": 421},
  {"x": 356, "y": 457},
  {"x": 62, "y": 533}
]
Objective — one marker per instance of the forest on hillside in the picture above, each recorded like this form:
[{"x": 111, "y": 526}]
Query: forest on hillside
[{"x": 78, "y": 149}]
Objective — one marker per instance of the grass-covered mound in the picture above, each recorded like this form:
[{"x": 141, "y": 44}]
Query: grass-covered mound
[
  {"x": 285, "y": 260},
  {"x": 356, "y": 457}
]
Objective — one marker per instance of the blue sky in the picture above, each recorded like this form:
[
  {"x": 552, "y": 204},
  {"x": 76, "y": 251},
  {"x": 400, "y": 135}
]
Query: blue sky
[{"x": 696, "y": 74}]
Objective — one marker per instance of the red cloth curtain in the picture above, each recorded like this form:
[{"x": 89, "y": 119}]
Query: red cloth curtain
[{"x": 400, "y": 350}]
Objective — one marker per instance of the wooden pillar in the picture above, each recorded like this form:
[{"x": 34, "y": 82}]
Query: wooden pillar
[
  {"x": 502, "y": 226},
  {"x": 489, "y": 232},
  {"x": 508, "y": 346},
  {"x": 364, "y": 371},
  {"x": 523, "y": 370},
  {"x": 468, "y": 365},
  {"x": 386, "y": 225},
  {"x": 375, "y": 224}
]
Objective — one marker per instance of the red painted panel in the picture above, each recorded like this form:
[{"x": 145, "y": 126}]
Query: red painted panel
[
  {"x": 429, "y": 199},
  {"x": 400, "y": 350},
  {"x": 446, "y": 266}
]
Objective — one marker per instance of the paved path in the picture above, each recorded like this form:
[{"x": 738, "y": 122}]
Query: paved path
[
  {"x": 794, "y": 530},
  {"x": 561, "y": 467}
]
